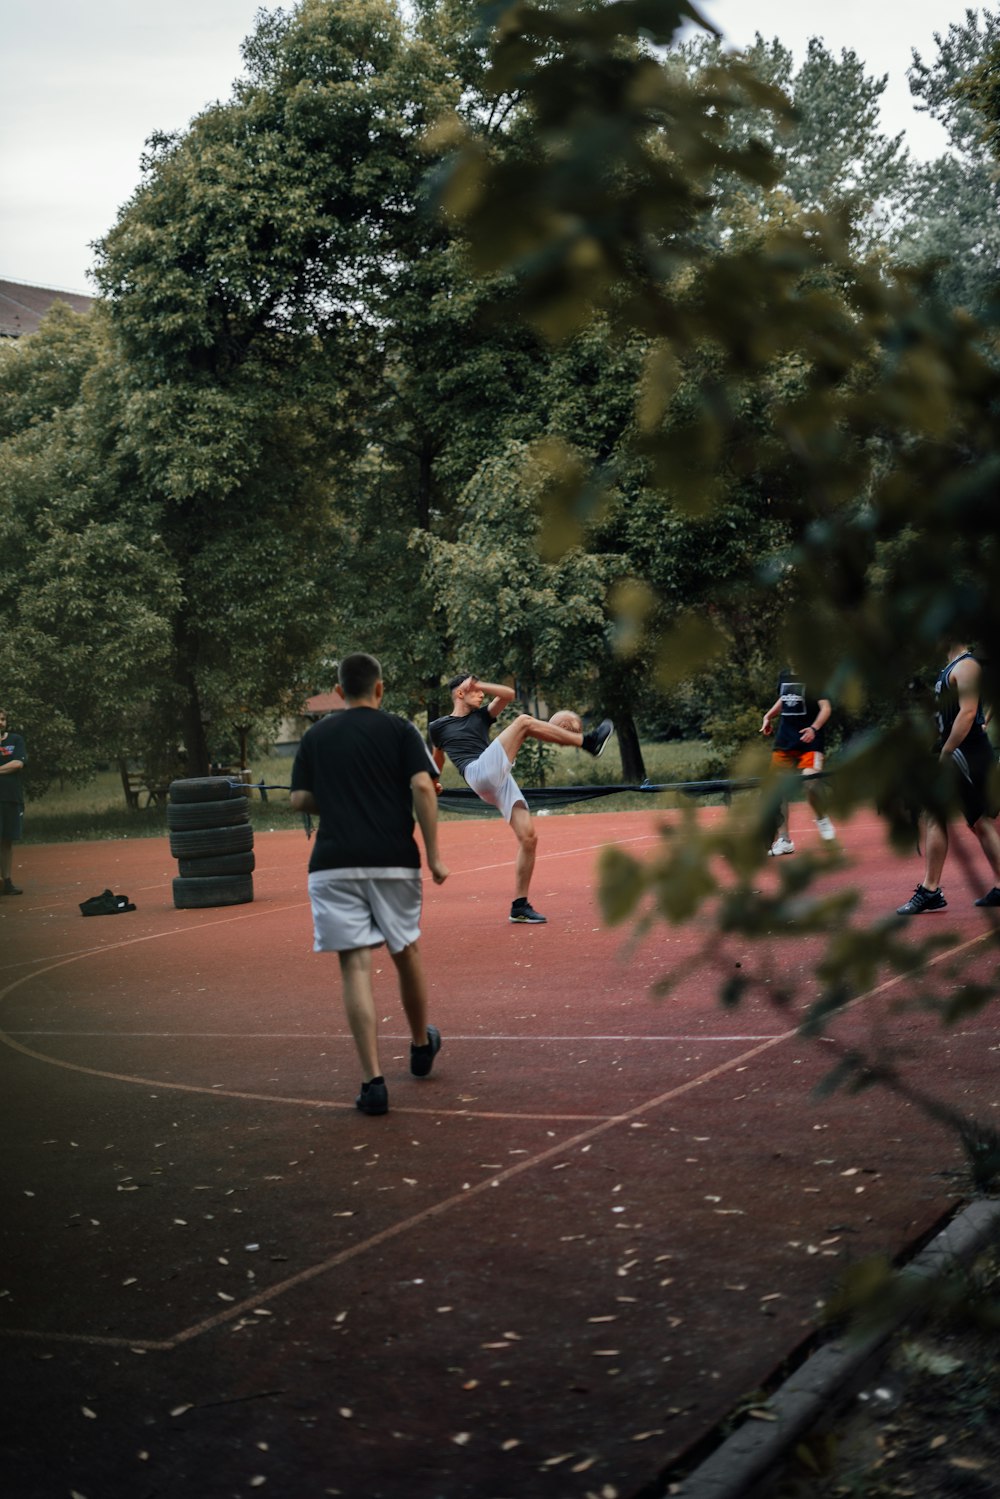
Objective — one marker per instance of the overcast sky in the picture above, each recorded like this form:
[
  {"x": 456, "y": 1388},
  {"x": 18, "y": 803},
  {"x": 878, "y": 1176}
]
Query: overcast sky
[{"x": 86, "y": 81}]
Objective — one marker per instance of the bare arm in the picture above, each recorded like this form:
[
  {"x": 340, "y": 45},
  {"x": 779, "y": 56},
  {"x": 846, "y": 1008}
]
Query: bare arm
[
  {"x": 812, "y": 729},
  {"x": 303, "y": 801},
  {"x": 966, "y": 676},
  {"x": 772, "y": 713},
  {"x": 9, "y": 766},
  {"x": 425, "y": 807},
  {"x": 500, "y": 697}
]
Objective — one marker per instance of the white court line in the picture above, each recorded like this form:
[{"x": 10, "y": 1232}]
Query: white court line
[
  {"x": 264, "y": 1297},
  {"x": 266, "y": 908},
  {"x": 302, "y": 1277},
  {"x": 404, "y": 1226},
  {"x": 384, "y": 1036}
]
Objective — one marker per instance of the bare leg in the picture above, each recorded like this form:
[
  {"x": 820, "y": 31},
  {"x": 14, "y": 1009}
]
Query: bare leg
[
  {"x": 986, "y": 831},
  {"x": 523, "y": 826},
  {"x": 525, "y": 727},
  {"x": 816, "y": 794},
  {"x": 359, "y": 1003},
  {"x": 412, "y": 990},
  {"x": 936, "y": 841}
]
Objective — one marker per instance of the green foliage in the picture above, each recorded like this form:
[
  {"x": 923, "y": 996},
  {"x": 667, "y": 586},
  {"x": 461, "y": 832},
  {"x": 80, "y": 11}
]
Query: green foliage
[
  {"x": 955, "y": 222},
  {"x": 841, "y": 412},
  {"x": 86, "y": 578},
  {"x": 508, "y": 610},
  {"x": 832, "y": 154}
]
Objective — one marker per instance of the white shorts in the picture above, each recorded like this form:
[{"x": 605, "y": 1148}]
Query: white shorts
[
  {"x": 491, "y": 779},
  {"x": 352, "y": 909}
]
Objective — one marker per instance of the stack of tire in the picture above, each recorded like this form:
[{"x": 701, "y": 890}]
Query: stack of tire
[{"x": 208, "y": 818}]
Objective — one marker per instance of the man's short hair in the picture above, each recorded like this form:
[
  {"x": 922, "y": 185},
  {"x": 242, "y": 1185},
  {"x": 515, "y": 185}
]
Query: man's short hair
[
  {"x": 357, "y": 675},
  {"x": 454, "y": 682}
]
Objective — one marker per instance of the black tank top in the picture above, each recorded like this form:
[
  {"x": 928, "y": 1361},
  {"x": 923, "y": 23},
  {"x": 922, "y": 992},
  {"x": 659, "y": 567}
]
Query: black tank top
[{"x": 946, "y": 699}]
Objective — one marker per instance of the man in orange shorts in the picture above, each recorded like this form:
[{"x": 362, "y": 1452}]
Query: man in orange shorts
[{"x": 799, "y": 742}]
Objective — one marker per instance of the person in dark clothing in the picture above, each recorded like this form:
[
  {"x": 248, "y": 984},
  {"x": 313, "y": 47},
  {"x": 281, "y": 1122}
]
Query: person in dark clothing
[
  {"x": 464, "y": 735},
  {"x": 13, "y": 758},
  {"x": 799, "y": 743},
  {"x": 964, "y": 746},
  {"x": 366, "y": 772}
]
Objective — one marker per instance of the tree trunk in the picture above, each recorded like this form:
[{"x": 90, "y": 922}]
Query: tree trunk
[
  {"x": 425, "y": 486},
  {"x": 633, "y": 767},
  {"x": 192, "y": 724},
  {"x": 193, "y": 728}
]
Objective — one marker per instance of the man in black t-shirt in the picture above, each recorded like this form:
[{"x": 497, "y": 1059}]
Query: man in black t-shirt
[
  {"x": 13, "y": 758},
  {"x": 799, "y": 743},
  {"x": 365, "y": 772},
  {"x": 464, "y": 735}
]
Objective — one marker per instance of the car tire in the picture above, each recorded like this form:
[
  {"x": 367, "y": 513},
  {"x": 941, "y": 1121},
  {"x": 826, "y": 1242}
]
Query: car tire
[
  {"x": 208, "y": 814},
  {"x": 206, "y": 789},
  {"x": 216, "y": 864},
  {"x": 201, "y": 843},
  {"x": 212, "y": 890}
]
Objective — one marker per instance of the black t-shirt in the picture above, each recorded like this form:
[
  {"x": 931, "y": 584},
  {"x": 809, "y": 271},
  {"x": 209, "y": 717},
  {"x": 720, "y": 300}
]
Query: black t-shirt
[
  {"x": 798, "y": 711},
  {"x": 463, "y": 739},
  {"x": 358, "y": 764},
  {"x": 12, "y": 785}
]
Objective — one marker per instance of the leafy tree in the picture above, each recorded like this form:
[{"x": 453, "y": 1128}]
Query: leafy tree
[
  {"x": 828, "y": 145},
  {"x": 508, "y": 611},
  {"x": 956, "y": 217},
  {"x": 87, "y": 579},
  {"x": 880, "y": 456},
  {"x": 247, "y": 281}
]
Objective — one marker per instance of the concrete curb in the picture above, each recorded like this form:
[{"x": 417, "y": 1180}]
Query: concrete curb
[{"x": 753, "y": 1452}]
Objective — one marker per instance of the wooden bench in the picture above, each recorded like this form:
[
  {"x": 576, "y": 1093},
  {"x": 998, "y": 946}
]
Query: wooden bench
[{"x": 136, "y": 784}]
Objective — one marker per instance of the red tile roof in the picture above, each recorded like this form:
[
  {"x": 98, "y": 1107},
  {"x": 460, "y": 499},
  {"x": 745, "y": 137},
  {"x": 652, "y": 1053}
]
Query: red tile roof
[
  {"x": 324, "y": 702},
  {"x": 23, "y": 307}
]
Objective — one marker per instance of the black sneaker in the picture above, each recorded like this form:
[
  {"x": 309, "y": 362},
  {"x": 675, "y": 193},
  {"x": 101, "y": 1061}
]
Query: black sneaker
[
  {"x": 9, "y": 888},
  {"x": 595, "y": 741},
  {"x": 374, "y": 1097},
  {"x": 521, "y": 913},
  {"x": 991, "y": 898},
  {"x": 422, "y": 1057},
  {"x": 923, "y": 900}
]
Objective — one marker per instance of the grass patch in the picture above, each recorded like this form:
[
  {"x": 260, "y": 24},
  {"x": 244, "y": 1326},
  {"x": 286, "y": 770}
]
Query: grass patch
[{"x": 98, "y": 811}]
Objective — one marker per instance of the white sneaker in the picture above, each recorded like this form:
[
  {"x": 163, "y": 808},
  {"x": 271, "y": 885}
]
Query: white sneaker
[
  {"x": 781, "y": 846},
  {"x": 826, "y": 829}
]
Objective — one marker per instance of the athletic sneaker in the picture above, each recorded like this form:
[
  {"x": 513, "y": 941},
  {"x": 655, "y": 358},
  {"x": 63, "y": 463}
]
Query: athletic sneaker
[
  {"x": 521, "y": 912},
  {"x": 9, "y": 888},
  {"x": 923, "y": 900},
  {"x": 825, "y": 829},
  {"x": 991, "y": 898},
  {"x": 374, "y": 1097},
  {"x": 422, "y": 1057},
  {"x": 781, "y": 846},
  {"x": 595, "y": 741}
]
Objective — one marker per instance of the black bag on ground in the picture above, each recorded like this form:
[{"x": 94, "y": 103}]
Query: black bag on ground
[{"x": 106, "y": 904}]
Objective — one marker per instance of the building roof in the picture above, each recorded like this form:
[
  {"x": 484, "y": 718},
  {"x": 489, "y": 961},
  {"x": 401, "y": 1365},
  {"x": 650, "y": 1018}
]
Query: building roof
[
  {"x": 323, "y": 703},
  {"x": 23, "y": 307}
]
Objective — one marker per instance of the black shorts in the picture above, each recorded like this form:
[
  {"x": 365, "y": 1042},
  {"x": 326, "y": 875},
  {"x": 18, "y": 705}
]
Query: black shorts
[
  {"x": 11, "y": 822},
  {"x": 977, "y": 784}
]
